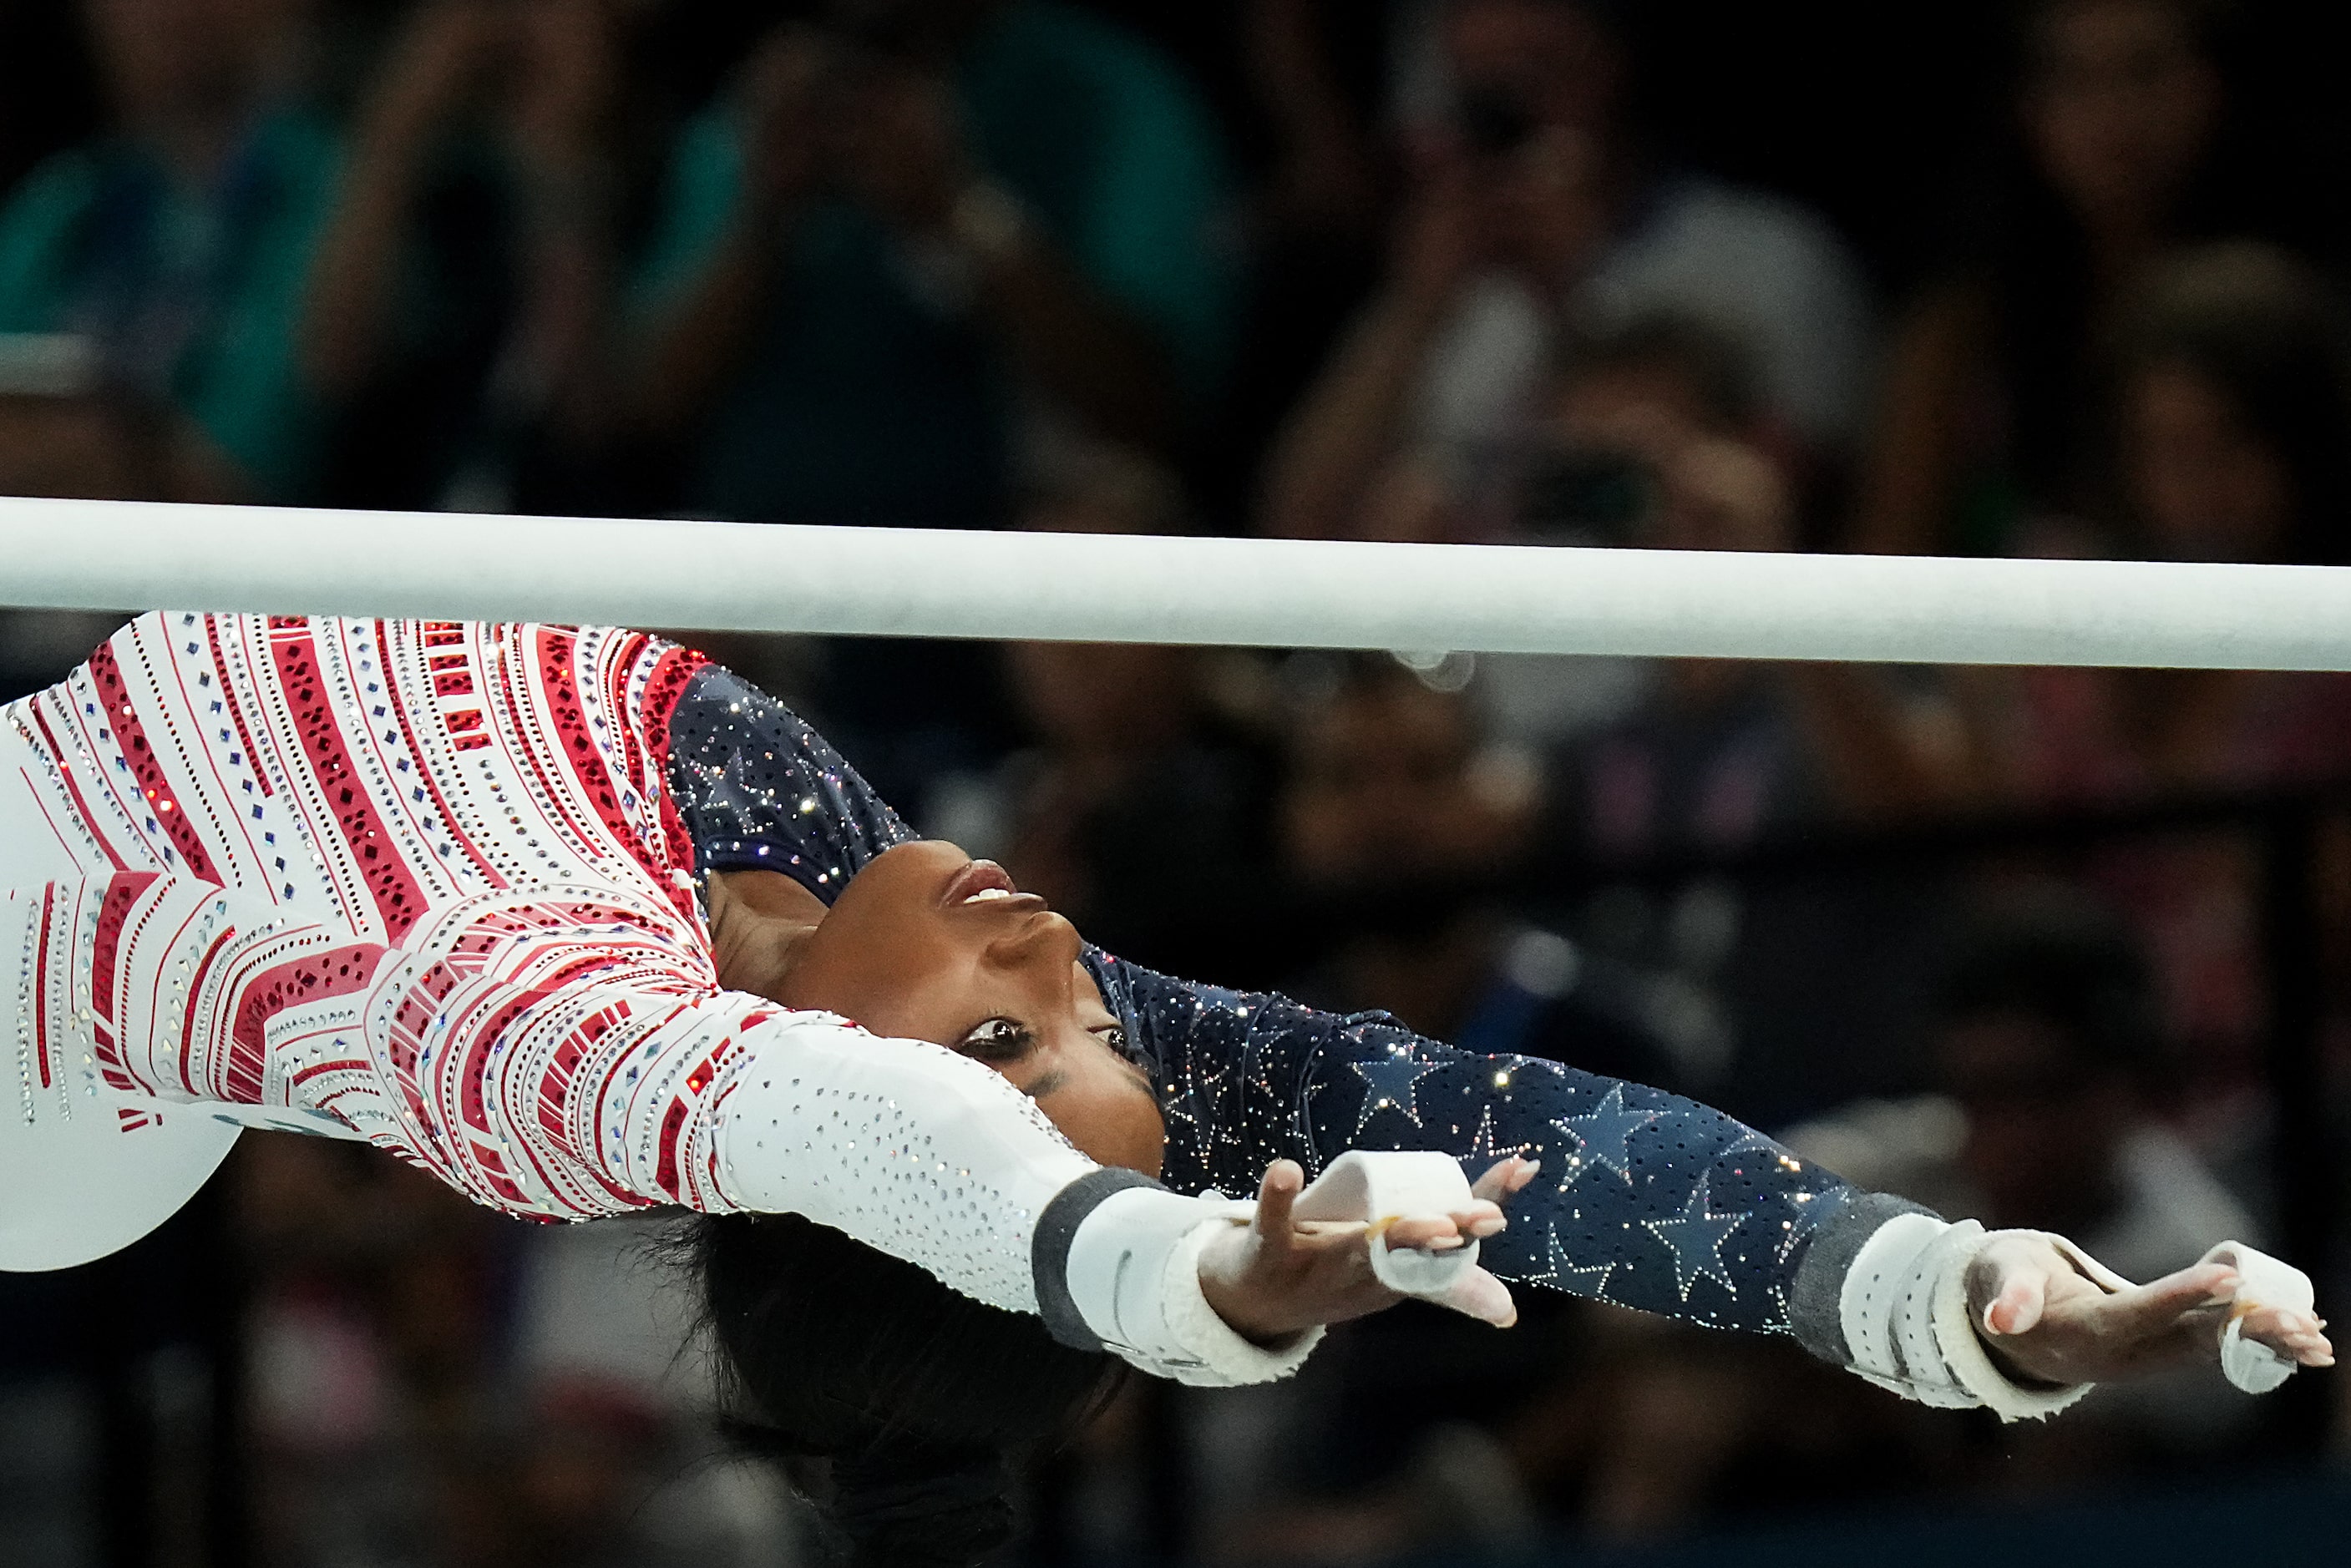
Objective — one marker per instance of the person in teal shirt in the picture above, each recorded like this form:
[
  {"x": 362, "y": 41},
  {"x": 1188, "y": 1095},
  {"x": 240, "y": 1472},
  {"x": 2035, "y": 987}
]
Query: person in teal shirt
[
  {"x": 913, "y": 234},
  {"x": 178, "y": 250}
]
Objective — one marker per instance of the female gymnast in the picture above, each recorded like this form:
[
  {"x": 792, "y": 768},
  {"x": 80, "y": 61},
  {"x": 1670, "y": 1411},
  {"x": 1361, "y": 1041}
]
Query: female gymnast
[{"x": 579, "y": 921}]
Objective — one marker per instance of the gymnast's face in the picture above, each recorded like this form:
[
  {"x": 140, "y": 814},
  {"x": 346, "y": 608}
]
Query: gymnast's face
[{"x": 927, "y": 943}]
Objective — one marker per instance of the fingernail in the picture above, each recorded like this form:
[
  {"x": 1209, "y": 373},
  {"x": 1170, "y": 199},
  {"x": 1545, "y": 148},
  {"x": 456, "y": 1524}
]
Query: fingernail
[{"x": 1533, "y": 1166}]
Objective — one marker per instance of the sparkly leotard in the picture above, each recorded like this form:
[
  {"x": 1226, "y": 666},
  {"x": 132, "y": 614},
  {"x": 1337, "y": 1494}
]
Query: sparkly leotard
[
  {"x": 434, "y": 885},
  {"x": 1645, "y": 1199}
]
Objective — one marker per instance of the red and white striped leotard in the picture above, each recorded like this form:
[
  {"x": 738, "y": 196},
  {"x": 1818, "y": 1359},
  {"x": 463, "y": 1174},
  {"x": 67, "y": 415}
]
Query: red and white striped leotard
[
  {"x": 425, "y": 883},
  {"x": 421, "y": 882}
]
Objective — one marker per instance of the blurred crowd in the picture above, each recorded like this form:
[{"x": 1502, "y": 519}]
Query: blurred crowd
[{"x": 2055, "y": 277}]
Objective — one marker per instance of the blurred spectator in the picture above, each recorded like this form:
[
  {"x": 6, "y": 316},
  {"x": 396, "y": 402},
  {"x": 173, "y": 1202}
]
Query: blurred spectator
[
  {"x": 1538, "y": 210},
  {"x": 2050, "y": 1020},
  {"x": 920, "y": 245},
  {"x": 1301, "y": 87},
  {"x": 599, "y": 1453},
  {"x": 1662, "y": 1430},
  {"x": 460, "y": 313},
  {"x": 2050, "y": 1046},
  {"x": 1648, "y": 440},
  {"x": 376, "y": 1321},
  {"x": 2128, "y": 145},
  {"x": 1398, "y": 822},
  {"x": 437, "y": 1385},
  {"x": 1396, "y": 813},
  {"x": 1141, "y": 807},
  {"x": 911, "y": 230},
  {"x": 153, "y": 279},
  {"x": 2231, "y": 407}
]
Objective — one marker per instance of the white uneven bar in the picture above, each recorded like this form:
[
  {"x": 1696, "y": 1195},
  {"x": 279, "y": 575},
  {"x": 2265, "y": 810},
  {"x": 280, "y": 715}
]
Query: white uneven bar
[{"x": 1098, "y": 588}]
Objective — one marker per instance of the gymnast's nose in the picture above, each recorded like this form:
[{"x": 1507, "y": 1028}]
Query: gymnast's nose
[{"x": 1047, "y": 943}]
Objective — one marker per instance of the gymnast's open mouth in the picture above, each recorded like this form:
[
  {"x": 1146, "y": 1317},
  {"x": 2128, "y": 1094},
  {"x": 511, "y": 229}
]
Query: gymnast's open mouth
[{"x": 986, "y": 882}]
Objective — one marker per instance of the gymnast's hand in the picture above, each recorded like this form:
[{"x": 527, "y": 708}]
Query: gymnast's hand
[
  {"x": 1279, "y": 1276},
  {"x": 2039, "y": 1315}
]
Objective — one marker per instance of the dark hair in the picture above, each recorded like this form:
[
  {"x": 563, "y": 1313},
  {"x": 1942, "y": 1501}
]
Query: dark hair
[
  {"x": 895, "y": 1405},
  {"x": 2056, "y": 956},
  {"x": 2261, "y": 329}
]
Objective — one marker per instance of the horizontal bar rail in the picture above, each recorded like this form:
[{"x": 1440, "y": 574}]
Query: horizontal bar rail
[{"x": 1276, "y": 593}]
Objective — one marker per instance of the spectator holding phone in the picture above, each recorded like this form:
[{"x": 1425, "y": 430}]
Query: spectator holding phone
[
  {"x": 1650, "y": 438},
  {"x": 1538, "y": 210},
  {"x": 458, "y": 320},
  {"x": 910, "y": 230}
]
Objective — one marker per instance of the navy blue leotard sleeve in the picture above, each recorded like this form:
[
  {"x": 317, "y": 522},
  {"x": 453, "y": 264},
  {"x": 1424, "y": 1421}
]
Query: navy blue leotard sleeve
[
  {"x": 758, "y": 788},
  {"x": 1645, "y": 1199}
]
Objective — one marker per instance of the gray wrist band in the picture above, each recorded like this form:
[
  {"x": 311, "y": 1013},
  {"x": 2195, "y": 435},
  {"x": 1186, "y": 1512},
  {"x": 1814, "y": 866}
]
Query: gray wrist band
[{"x": 1056, "y": 1228}]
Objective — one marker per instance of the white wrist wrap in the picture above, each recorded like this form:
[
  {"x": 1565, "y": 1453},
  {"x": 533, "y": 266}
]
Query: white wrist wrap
[
  {"x": 1907, "y": 1327},
  {"x": 2262, "y": 1282},
  {"x": 1379, "y": 1188},
  {"x": 1135, "y": 1277}
]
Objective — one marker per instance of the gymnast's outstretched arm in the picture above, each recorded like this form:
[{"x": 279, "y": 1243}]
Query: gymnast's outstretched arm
[
  {"x": 565, "y": 1051},
  {"x": 1642, "y": 1198}
]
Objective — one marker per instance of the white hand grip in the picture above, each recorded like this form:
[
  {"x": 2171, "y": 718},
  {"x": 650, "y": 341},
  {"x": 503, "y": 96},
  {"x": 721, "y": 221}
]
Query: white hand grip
[
  {"x": 2262, "y": 1282},
  {"x": 1380, "y": 1188}
]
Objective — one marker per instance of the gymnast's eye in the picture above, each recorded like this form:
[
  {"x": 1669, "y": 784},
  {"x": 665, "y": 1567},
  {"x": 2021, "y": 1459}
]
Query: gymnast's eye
[
  {"x": 998, "y": 1039},
  {"x": 1114, "y": 1036}
]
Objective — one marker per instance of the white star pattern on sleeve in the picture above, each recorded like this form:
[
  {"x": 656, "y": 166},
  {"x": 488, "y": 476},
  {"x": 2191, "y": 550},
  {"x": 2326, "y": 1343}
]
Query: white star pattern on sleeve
[
  {"x": 1561, "y": 1272},
  {"x": 1603, "y": 1138},
  {"x": 1388, "y": 1085},
  {"x": 1696, "y": 1238}
]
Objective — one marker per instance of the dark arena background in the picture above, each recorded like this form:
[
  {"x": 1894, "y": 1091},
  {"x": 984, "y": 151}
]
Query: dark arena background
[{"x": 2064, "y": 949}]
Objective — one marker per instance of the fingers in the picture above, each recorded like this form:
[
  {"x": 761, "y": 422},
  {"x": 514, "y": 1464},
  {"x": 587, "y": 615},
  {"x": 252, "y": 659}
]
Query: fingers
[
  {"x": 2153, "y": 1311},
  {"x": 1480, "y": 1294},
  {"x": 2296, "y": 1334},
  {"x": 2018, "y": 1307},
  {"x": 1443, "y": 1233},
  {"x": 2088, "y": 1333},
  {"x": 1508, "y": 1177},
  {"x": 2018, "y": 1294},
  {"x": 1276, "y": 1195},
  {"x": 1436, "y": 1233},
  {"x": 2202, "y": 1286},
  {"x": 1479, "y": 1220}
]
